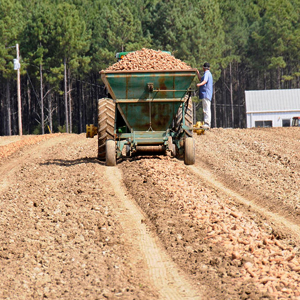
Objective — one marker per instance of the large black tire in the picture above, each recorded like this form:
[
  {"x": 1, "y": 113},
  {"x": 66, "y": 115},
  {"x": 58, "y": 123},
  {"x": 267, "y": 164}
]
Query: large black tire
[
  {"x": 106, "y": 123},
  {"x": 110, "y": 157},
  {"x": 189, "y": 151},
  {"x": 188, "y": 106}
]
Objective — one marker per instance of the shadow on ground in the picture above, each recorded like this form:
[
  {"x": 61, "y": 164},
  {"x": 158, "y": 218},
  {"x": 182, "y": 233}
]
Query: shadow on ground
[{"x": 72, "y": 162}]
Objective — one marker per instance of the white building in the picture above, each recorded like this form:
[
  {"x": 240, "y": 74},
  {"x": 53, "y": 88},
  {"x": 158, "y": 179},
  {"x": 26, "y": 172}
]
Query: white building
[{"x": 272, "y": 108}]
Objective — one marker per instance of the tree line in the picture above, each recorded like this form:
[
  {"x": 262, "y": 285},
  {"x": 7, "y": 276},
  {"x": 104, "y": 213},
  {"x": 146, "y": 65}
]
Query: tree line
[{"x": 64, "y": 44}]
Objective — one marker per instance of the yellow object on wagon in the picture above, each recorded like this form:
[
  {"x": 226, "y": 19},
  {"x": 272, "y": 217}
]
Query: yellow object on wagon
[
  {"x": 91, "y": 131},
  {"x": 198, "y": 129}
]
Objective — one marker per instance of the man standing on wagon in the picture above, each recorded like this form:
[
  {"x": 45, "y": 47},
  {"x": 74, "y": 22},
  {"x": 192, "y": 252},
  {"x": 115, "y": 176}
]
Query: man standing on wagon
[{"x": 205, "y": 94}]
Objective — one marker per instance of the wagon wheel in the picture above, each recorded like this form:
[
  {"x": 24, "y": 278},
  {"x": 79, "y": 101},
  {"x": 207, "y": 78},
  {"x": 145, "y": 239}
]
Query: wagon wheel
[
  {"x": 171, "y": 146},
  {"x": 110, "y": 157},
  {"x": 189, "y": 151},
  {"x": 188, "y": 106},
  {"x": 106, "y": 124}
]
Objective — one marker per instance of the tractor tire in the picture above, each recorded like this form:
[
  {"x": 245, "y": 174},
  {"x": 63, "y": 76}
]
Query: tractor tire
[
  {"x": 110, "y": 156},
  {"x": 189, "y": 151},
  {"x": 106, "y": 124},
  {"x": 188, "y": 106}
]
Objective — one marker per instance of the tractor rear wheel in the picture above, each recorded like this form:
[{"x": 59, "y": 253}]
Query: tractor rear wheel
[
  {"x": 189, "y": 151},
  {"x": 106, "y": 124},
  {"x": 110, "y": 157}
]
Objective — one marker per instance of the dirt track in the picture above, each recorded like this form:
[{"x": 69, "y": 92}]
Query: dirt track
[{"x": 152, "y": 228}]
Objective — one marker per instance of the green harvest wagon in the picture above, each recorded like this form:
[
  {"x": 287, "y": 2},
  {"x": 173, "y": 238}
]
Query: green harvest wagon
[{"x": 150, "y": 111}]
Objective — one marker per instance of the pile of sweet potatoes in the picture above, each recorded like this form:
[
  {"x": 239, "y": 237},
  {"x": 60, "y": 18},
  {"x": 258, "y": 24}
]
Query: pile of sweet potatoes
[{"x": 148, "y": 59}]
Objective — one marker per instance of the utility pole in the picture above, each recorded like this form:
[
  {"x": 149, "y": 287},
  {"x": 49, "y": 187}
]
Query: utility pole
[
  {"x": 17, "y": 67},
  {"x": 66, "y": 96},
  {"x": 42, "y": 99},
  {"x": 19, "y": 94}
]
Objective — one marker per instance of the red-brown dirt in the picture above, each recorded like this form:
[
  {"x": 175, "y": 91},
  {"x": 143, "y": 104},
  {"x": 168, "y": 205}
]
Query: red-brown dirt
[{"x": 225, "y": 228}]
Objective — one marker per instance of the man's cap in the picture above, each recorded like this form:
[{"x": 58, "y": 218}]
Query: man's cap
[{"x": 206, "y": 65}]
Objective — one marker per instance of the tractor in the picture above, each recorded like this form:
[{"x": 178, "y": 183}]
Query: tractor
[{"x": 147, "y": 112}]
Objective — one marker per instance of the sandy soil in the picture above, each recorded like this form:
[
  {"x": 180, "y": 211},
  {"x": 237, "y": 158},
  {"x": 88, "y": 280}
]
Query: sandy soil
[
  {"x": 152, "y": 228},
  {"x": 60, "y": 236}
]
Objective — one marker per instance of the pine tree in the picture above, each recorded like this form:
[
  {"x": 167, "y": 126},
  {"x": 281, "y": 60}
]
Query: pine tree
[
  {"x": 10, "y": 11},
  {"x": 38, "y": 38},
  {"x": 73, "y": 39}
]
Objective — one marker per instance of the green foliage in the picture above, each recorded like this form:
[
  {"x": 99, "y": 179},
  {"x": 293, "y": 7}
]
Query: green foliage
[
  {"x": 116, "y": 27},
  {"x": 276, "y": 35},
  {"x": 236, "y": 30},
  {"x": 245, "y": 41},
  {"x": 37, "y": 129},
  {"x": 277, "y": 62},
  {"x": 10, "y": 30},
  {"x": 71, "y": 36},
  {"x": 89, "y": 33},
  {"x": 287, "y": 78},
  {"x": 191, "y": 30},
  {"x": 38, "y": 37},
  {"x": 62, "y": 129}
]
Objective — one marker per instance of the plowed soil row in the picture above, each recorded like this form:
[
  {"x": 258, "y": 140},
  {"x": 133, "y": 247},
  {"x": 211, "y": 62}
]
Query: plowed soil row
[{"x": 261, "y": 164}]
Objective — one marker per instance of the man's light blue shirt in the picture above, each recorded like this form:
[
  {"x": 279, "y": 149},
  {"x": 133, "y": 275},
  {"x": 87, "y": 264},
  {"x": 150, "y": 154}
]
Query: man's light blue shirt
[{"x": 206, "y": 90}]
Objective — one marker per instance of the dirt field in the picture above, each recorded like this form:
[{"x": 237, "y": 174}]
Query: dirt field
[{"x": 151, "y": 228}]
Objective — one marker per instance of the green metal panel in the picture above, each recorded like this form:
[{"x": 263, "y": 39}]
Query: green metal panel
[
  {"x": 148, "y": 100},
  {"x": 133, "y": 85},
  {"x": 146, "y": 137},
  {"x": 138, "y": 114}
]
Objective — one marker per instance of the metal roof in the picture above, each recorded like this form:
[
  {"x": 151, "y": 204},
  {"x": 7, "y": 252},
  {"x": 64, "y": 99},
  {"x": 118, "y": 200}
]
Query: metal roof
[{"x": 272, "y": 100}]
